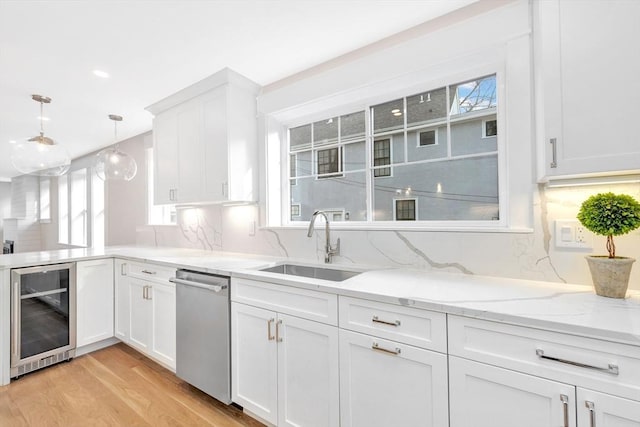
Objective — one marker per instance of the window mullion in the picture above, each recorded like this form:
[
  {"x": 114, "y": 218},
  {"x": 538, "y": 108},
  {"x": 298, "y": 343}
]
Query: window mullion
[{"x": 368, "y": 158}]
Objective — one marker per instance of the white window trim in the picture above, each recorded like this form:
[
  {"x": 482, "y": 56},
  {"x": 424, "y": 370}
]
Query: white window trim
[{"x": 514, "y": 187}]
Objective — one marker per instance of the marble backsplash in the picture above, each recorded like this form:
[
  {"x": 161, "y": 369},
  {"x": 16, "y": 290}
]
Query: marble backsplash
[{"x": 530, "y": 255}]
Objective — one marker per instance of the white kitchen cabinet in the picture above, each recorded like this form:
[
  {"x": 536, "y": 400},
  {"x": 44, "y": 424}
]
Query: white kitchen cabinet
[
  {"x": 94, "y": 301},
  {"x": 121, "y": 283},
  {"x": 604, "y": 410},
  {"x": 205, "y": 142},
  {"x": 285, "y": 368},
  {"x": 146, "y": 310},
  {"x": 386, "y": 383},
  {"x": 587, "y": 86},
  {"x": 486, "y": 396}
]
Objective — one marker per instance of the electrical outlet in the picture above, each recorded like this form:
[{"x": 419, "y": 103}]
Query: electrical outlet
[{"x": 569, "y": 233}]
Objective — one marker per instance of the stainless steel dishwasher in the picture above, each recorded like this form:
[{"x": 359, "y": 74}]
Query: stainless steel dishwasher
[{"x": 203, "y": 335}]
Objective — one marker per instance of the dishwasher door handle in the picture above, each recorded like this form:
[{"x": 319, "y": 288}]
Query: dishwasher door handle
[{"x": 214, "y": 288}]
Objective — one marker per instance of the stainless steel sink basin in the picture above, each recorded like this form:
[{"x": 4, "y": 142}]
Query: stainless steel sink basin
[{"x": 332, "y": 274}]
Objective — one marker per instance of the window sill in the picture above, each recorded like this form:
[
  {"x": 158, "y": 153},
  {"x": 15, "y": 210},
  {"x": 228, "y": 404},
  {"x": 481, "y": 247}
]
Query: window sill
[{"x": 400, "y": 227}]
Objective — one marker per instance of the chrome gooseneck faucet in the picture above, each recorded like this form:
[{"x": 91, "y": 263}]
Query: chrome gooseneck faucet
[{"x": 328, "y": 250}]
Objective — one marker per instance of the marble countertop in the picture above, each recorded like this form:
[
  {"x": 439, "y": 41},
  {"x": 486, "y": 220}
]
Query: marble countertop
[{"x": 573, "y": 309}]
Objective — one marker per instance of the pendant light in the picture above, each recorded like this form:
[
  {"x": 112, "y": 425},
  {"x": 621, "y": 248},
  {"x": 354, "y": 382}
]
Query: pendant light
[
  {"x": 112, "y": 164},
  {"x": 40, "y": 155}
]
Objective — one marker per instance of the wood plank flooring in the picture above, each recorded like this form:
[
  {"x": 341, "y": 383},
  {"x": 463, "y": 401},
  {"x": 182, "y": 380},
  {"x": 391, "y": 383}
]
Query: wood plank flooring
[{"x": 116, "y": 386}]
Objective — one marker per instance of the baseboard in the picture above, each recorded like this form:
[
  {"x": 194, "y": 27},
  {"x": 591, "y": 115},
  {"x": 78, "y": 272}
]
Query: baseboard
[{"x": 89, "y": 348}]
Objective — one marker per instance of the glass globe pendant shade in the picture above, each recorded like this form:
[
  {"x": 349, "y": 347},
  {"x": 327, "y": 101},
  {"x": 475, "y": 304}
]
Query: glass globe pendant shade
[
  {"x": 111, "y": 164},
  {"x": 114, "y": 165},
  {"x": 39, "y": 158}
]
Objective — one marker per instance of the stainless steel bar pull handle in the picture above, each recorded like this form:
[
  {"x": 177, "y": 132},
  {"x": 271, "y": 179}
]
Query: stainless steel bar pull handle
[
  {"x": 149, "y": 294},
  {"x": 278, "y": 337},
  {"x": 565, "y": 407},
  {"x": 376, "y": 346},
  {"x": 148, "y": 272},
  {"x": 554, "y": 153},
  {"x": 269, "y": 322},
  {"x": 123, "y": 269},
  {"x": 611, "y": 369},
  {"x": 376, "y": 319},
  {"x": 592, "y": 412},
  {"x": 144, "y": 292}
]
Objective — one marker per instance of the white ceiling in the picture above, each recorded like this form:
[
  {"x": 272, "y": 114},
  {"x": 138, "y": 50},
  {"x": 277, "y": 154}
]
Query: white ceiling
[{"x": 152, "y": 49}]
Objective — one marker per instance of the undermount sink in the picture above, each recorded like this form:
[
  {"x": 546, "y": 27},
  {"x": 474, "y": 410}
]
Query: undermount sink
[{"x": 332, "y": 274}]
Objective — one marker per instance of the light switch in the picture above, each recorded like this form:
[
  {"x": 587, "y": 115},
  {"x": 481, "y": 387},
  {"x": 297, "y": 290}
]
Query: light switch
[
  {"x": 566, "y": 234},
  {"x": 569, "y": 233}
]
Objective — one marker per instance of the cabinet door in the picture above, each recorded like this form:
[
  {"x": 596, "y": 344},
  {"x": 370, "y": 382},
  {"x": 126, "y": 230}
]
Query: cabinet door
[
  {"x": 214, "y": 117},
  {"x": 94, "y": 301},
  {"x": 486, "y": 396},
  {"x": 163, "y": 323},
  {"x": 165, "y": 157},
  {"x": 604, "y": 410},
  {"x": 590, "y": 84},
  {"x": 121, "y": 281},
  {"x": 254, "y": 361},
  {"x": 308, "y": 384},
  {"x": 385, "y": 383},
  {"x": 190, "y": 161},
  {"x": 139, "y": 314}
]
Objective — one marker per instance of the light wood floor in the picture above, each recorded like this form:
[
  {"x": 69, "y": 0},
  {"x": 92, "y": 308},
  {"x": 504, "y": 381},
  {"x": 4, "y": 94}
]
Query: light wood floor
[{"x": 116, "y": 386}]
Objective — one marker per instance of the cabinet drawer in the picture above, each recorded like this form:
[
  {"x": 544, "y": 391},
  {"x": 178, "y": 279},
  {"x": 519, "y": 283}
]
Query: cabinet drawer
[
  {"x": 605, "y": 366},
  {"x": 148, "y": 271},
  {"x": 422, "y": 328},
  {"x": 312, "y": 305}
]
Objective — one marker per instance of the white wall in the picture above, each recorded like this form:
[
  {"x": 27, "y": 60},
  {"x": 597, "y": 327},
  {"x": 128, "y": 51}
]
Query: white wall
[
  {"x": 126, "y": 202},
  {"x": 5, "y": 204}
]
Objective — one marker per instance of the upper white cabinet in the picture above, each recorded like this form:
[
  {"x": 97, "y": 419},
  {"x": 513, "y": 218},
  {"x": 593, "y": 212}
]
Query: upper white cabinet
[
  {"x": 94, "y": 301},
  {"x": 587, "y": 86},
  {"x": 205, "y": 142}
]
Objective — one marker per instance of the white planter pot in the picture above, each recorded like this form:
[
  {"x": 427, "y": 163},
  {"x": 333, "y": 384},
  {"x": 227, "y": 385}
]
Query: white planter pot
[{"x": 610, "y": 275}]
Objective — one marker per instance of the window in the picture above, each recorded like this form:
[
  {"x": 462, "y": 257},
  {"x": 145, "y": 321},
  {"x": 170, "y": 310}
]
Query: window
[
  {"x": 427, "y": 137},
  {"x": 81, "y": 209},
  {"x": 161, "y": 214},
  {"x": 45, "y": 199},
  {"x": 405, "y": 209},
  {"x": 489, "y": 128},
  {"x": 381, "y": 157},
  {"x": 455, "y": 179}
]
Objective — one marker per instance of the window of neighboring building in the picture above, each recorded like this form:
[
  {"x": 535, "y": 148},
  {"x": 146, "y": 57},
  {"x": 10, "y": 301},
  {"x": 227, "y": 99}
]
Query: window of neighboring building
[
  {"x": 328, "y": 164},
  {"x": 293, "y": 167},
  {"x": 381, "y": 157},
  {"x": 405, "y": 209},
  {"x": 489, "y": 128},
  {"x": 427, "y": 137},
  {"x": 295, "y": 210}
]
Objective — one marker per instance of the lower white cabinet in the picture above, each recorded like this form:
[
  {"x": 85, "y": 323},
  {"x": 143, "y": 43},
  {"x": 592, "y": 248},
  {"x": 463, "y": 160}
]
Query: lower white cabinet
[
  {"x": 146, "y": 310},
  {"x": 385, "y": 383},
  {"x": 603, "y": 410},
  {"x": 285, "y": 368},
  {"x": 486, "y": 396},
  {"x": 94, "y": 301}
]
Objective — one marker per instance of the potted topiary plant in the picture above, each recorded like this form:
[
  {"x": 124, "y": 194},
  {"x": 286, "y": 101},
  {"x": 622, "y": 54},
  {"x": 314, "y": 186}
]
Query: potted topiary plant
[{"x": 609, "y": 214}]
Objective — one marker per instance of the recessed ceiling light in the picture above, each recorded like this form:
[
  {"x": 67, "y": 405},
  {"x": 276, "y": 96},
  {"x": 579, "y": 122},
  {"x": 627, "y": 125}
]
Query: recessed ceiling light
[
  {"x": 101, "y": 74},
  {"x": 45, "y": 119},
  {"x": 13, "y": 141}
]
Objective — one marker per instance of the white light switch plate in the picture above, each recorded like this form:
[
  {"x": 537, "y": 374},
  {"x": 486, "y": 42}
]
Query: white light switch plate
[{"x": 569, "y": 233}]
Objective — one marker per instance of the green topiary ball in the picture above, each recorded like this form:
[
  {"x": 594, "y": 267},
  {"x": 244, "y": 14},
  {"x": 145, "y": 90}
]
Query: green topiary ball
[{"x": 610, "y": 214}]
